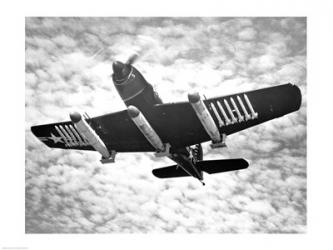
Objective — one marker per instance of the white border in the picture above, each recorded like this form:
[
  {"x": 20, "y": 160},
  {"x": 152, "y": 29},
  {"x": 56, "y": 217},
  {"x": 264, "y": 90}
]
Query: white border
[{"x": 319, "y": 123}]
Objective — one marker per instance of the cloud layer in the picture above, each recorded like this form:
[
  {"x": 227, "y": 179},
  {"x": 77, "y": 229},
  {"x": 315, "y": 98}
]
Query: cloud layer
[{"x": 68, "y": 67}]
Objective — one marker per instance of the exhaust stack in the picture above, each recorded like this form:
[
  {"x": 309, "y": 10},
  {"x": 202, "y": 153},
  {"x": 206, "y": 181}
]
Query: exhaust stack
[{"x": 90, "y": 135}]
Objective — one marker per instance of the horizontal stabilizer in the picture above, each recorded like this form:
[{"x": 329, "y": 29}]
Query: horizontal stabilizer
[
  {"x": 211, "y": 167},
  {"x": 170, "y": 172},
  {"x": 225, "y": 165}
]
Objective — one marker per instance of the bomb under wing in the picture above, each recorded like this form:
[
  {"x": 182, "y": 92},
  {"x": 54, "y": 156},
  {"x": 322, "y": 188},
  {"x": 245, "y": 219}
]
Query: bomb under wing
[
  {"x": 87, "y": 132},
  {"x": 146, "y": 129},
  {"x": 205, "y": 118}
]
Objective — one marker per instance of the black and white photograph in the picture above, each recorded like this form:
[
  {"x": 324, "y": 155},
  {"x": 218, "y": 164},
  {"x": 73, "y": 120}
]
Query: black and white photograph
[{"x": 165, "y": 125}]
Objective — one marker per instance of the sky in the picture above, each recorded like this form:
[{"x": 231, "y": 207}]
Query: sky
[{"x": 68, "y": 67}]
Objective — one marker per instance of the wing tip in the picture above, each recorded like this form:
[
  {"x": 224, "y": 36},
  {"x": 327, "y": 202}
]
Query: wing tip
[
  {"x": 245, "y": 163},
  {"x": 296, "y": 96},
  {"x": 33, "y": 130}
]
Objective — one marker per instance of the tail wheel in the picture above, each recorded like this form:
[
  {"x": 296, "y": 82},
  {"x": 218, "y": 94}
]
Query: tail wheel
[{"x": 197, "y": 152}]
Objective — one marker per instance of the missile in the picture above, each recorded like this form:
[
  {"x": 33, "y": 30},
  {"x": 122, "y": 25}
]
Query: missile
[
  {"x": 227, "y": 120},
  {"x": 234, "y": 120},
  {"x": 254, "y": 114},
  {"x": 87, "y": 132},
  {"x": 145, "y": 128},
  {"x": 204, "y": 117},
  {"x": 240, "y": 117},
  {"x": 247, "y": 116}
]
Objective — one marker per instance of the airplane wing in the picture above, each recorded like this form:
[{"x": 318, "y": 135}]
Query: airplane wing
[
  {"x": 117, "y": 131},
  {"x": 177, "y": 123}
]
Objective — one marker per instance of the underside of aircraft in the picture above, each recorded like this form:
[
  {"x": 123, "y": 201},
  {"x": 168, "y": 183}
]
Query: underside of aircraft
[{"x": 173, "y": 130}]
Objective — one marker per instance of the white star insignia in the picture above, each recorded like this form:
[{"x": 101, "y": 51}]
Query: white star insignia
[{"x": 55, "y": 139}]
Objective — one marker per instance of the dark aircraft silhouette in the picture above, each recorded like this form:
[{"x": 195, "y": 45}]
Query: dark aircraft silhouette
[{"x": 175, "y": 130}]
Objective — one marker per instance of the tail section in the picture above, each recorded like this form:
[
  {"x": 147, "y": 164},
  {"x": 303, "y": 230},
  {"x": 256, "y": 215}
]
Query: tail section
[
  {"x": 170, "y": 172},
  {"x": 219, "y": 166},
  {"x": 210, "y": 167}
]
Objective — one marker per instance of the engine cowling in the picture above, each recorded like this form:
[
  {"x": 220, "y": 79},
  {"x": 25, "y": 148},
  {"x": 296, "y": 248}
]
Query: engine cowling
[
  {"x": 133, "y": 87},
  {"x": 128, "y": 80}
]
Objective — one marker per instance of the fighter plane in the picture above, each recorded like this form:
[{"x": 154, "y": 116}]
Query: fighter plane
[{"x": 173, "y": 130}]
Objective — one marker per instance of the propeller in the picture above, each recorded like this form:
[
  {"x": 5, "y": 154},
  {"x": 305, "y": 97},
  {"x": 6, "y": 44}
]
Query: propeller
[
  {"x": 132, "y": 59},
  {"x": 122, "y": 70}
]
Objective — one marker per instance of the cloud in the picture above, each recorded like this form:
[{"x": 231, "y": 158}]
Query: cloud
[
  {"x": 68, "y": 67},
  {"x": 247, "y": 34}
]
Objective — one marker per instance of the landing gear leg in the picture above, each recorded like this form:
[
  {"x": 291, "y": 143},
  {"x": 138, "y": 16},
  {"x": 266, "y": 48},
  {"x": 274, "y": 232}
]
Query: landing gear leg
[{"x": 202, "y": 182}]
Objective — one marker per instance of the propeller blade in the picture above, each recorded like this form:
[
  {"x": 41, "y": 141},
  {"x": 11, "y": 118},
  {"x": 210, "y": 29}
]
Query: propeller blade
[{"x": 132, "y": 59}]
